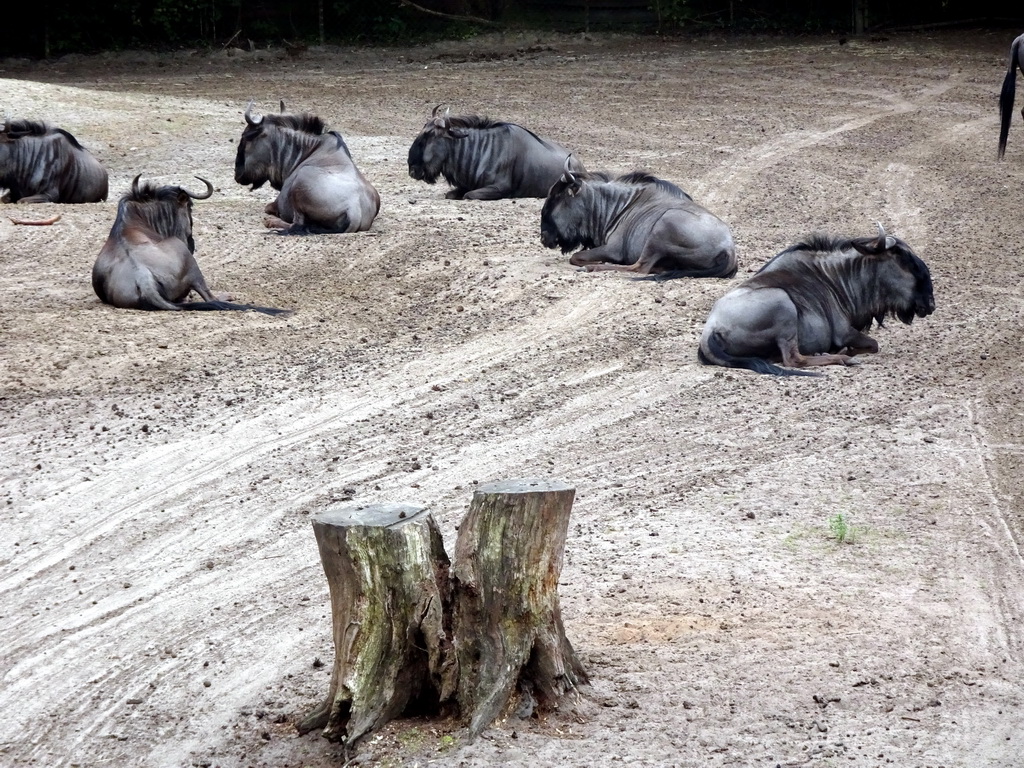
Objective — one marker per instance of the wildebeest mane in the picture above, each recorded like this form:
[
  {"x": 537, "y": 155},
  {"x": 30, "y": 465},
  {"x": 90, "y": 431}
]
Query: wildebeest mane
[
  {"x": 341, "y": 142},
  {"x": 475, "y": 121},
  {"x": 148, "y": 192},
  {"x": 820, "y": 242},
  {"x": 466, "y": 122},
  {"x": 19, "y": 128},
  {"x": 304, "y": 123},
  {"x": 646, "y": 177}
]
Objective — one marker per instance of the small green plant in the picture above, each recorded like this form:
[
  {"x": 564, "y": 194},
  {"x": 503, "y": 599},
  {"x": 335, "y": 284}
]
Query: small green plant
[
  {"x": 447, "y": 742},
  {"x": 840, "y": 530}
]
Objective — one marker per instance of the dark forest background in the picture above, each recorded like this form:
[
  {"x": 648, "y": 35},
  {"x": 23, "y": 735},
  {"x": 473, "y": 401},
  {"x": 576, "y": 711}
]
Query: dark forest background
[{"x": 57, "y": 27}]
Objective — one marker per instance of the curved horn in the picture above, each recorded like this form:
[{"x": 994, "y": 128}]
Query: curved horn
[
  {"x": 434, "y": 112},
  {"x": 248, "y": 115},
  {"x": 135, "y": 184},
  {"x": 209, "y": 190},
  {"x": 282, "y": 105},
  {"x": 568, "y": 177},
  {"x": 884, "y": 242}
]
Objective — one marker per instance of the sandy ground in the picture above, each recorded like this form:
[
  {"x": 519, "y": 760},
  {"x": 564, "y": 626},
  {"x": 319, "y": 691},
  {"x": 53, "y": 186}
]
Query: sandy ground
[{"x": 161, "y": 597}]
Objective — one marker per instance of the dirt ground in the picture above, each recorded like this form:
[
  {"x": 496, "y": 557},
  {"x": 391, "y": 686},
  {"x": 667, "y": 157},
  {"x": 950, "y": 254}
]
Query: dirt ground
[{"x": 162, "y": 597}]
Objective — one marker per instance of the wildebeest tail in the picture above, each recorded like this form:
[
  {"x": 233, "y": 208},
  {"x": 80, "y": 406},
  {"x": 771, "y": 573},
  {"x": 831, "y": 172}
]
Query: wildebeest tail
[
  {"x": 215, "y": 306},
  {"x": 1006, "y": 97},
  {"x": 717, "y": 355}
]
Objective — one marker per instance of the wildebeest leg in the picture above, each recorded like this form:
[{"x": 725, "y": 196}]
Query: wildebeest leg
[
  {"x": 792, "y": 357},
  {"x": 455, "y": 194},
  {"x": 595, "y": 259},
  {"x": 493, "y": 192},
  {"x": 199, "y": 286},
  {"x": 272, "y": 209},
  {"x": 861, "y": 344},
  {"x": 37, "y": 199},
  {"x": 643, "y": 266},
  {"x": 274, "y": 222}
]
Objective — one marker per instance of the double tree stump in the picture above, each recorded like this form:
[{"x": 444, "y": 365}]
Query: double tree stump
[{"x": 413, "y": 632}]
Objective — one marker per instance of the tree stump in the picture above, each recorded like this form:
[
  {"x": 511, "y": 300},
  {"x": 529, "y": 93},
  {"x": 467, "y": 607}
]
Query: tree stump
[
  {"x": 389, "y": 583},
  {"x": 509, "y": 640}
]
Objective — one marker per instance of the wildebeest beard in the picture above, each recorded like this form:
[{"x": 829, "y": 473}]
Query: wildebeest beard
[
  {"x": 569, "y": 237},
  {"x": 240, "y": 173},
  {"x": 417, "y": 169}
]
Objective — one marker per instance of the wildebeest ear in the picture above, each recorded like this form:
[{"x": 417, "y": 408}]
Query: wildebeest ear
[
  {"x": 890, "y": 242},
  {"x": 869, "y": 246}
]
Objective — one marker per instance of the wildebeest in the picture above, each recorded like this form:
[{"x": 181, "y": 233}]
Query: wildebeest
[
  {"x": 147, "y": 261},
  {"x": 811, "y": 304},
  {"x": 1009, "y": 87},
  {"x": 485, "y": 159},
  {"x": 43, "y": 164},
  {"x": 635, "y": 223},
  {"x": 321, "y": 190}
]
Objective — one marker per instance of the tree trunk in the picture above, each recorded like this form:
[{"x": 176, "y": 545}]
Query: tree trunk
[
  {"x": 389, "y": 582},
  {"x": 509, "y": 640}
]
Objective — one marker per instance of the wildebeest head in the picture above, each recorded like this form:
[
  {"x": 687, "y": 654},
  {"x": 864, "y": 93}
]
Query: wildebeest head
[
  {"x": 910, "y": 284},
  {"x": 429, "y": 151},
  {"x": 165, "y": 210},
  {"x": 563, "y": 217},
  {"x": 262, "y": 144}
]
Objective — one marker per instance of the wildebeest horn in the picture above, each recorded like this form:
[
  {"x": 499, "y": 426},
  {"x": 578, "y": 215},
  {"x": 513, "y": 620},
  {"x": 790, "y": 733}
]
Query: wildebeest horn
[
  {"x": 135, "y": 184},
  {"x": 248, "y": 115},
  {"x": 568, "y": 176},
  {"x": 282, "y": 105},
  {"x": 434, "y": 112},
  {"x": 209, "y": 190},
  {"x": 885, "y": 242}
]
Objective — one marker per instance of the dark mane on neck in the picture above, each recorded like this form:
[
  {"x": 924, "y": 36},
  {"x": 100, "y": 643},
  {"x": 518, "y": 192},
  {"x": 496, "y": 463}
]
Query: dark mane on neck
[
  {"x": 475, "y": 121},
  {"x": 19, "y": 128},
  {"x": 149, "y": 192},
  {"x": 819, "y": 242},
  {"x": 306, "y": 123}
]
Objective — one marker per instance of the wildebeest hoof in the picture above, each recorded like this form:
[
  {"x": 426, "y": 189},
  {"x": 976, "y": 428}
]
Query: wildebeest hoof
[{"x": 852, "y": 361}]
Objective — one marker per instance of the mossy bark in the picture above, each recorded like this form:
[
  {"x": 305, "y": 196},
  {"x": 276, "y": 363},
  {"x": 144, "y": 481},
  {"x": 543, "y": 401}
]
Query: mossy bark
[
  {"x": 388, "y": 576},
  {"x": 509, "y": 640}
]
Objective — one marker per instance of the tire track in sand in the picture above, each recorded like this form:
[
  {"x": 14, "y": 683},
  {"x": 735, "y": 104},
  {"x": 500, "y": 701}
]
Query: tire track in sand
[{"x": 725, "y": 182}]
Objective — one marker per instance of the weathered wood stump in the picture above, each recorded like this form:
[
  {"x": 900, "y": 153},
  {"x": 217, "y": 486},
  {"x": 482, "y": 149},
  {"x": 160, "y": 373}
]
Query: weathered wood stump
[
  {"x": 506, "y": 619},
  {"x": 389, "y": 583}
]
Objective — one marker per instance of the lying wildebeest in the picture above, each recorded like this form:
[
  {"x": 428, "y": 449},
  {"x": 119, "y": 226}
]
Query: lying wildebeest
[
  {"x": 635, "y": 223},
  {"x": 43, "y": 164},
  {"x": 1009, "y": 87},
  {"x": 811, "y": 304},
  {"x": 485, "y": 159},
  {"x": 321, "y": 190},
  {"x": 147, "y": 261}
]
